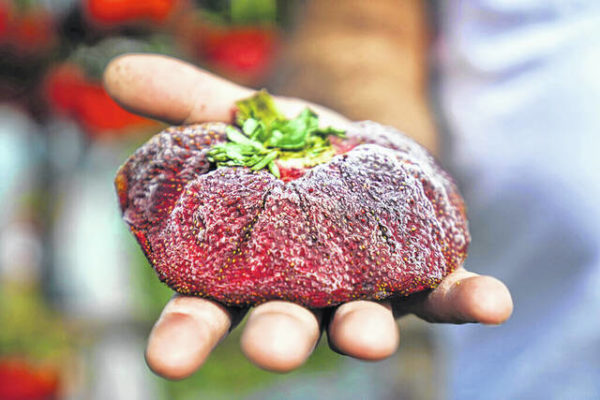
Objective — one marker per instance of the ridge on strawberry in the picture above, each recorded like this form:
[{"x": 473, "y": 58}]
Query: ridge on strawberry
[{"x": 373, "y": 218}]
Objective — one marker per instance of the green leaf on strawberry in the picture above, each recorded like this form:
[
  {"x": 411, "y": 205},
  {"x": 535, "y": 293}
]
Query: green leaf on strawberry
[{"x": 266, "y": 135}]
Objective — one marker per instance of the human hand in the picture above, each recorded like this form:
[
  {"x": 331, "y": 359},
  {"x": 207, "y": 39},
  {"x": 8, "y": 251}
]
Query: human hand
[{"x": 279, "y": 335}]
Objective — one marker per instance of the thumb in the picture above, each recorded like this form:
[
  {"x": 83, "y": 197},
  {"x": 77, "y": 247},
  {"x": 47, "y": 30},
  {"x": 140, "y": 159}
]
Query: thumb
[
  {"x": 176, "y": 92},
  {"x": 170, "y": 90}
]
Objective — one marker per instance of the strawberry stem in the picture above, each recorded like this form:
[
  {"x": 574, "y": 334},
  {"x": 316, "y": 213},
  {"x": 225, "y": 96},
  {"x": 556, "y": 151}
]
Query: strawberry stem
[{"x": 263, "y": 135}]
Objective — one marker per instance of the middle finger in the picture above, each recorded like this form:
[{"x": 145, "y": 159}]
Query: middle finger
[
  {"x": 364, "y": 329},
  {"x": 279, "y": 335}
]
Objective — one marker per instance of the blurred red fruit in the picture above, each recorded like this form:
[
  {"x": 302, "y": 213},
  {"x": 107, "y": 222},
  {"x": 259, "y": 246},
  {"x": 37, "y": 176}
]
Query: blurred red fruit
[
  {"x": 243, "y": 52},
  {"x": 34, "y": 31},
  {"x": 70, "y": 93},
  {"x": 20, "y": 380},
  {"x": 27, "y": 32},
  {"x": 4, "y": 19},
  {"x": 116, "y": 12},
  {"x": 63, "y": 85}
]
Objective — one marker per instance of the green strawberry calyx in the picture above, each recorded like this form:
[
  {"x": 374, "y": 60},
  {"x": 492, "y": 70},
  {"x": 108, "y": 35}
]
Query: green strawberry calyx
[{"x": 263, "y": 135}]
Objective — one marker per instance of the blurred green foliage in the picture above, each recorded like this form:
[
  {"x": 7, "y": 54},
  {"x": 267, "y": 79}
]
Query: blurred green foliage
[{"x": 29, "y": 327}]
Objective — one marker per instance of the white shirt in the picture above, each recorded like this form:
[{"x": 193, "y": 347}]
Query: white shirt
[{"x": 519, "y": 87}]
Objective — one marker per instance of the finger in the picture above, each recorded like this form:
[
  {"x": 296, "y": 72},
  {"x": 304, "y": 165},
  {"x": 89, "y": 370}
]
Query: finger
[
  {"x": 184, "y": 335},
  {"x": 464, "y": 296},
  {"x": 176, "y": 92},
  {"x": 279, "y": 336},
  {"x": 170, "y": 90},
  {"x": 364, "y": 330}
]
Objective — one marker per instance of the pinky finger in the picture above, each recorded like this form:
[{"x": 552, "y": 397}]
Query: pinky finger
[{"x": 463, "y": 297}]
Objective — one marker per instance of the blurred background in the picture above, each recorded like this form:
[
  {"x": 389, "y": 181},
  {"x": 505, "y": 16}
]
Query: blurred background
[{"x": 77, "y": 297}]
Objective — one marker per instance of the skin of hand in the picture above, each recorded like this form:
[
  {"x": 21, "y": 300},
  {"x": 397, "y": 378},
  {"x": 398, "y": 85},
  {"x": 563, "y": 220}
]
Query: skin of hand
[{"x": 279, "y": 336}]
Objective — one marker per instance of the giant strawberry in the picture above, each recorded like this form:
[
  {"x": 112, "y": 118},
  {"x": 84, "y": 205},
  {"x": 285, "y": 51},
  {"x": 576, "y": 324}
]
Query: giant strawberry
[{"x": 282, "y": 209}]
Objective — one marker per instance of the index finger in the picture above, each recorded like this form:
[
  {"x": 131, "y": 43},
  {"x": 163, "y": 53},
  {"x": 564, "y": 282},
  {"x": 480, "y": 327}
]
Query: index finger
[{"x": 176, "y": 92}]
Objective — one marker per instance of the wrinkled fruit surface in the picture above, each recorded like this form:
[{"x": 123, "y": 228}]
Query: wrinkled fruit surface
[{"x": 379, "y": 219}]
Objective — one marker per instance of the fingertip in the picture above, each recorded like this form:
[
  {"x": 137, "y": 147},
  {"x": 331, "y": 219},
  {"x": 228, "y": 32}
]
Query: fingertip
[
  {"x": 280, "y": 336},
  {"x": 118, "y": 68},
  {"x": 483, "y": 299},
  {"x": 177, "y": 346},
  {"x": 465, "y": 297},
  {"x": 185, "y": 334},
  {"x": 122, "y": 80},
  {"x": 364, "y": 330},
  {"x": 270, "y": 349}
]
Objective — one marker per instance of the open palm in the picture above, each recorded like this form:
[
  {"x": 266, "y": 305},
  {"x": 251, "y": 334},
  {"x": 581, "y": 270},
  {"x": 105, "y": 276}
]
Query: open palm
[{"x": 279, "y": 335}]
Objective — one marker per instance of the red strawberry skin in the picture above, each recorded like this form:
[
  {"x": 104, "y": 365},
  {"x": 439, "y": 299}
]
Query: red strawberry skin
[{"x": 379, "y": 219}]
